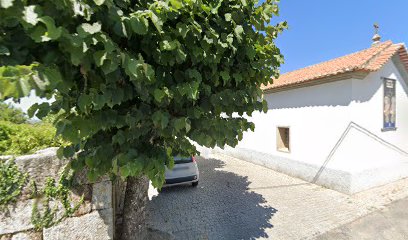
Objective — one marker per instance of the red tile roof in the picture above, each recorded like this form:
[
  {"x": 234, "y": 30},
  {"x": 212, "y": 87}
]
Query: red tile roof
[{"x": 368, "y": 60}]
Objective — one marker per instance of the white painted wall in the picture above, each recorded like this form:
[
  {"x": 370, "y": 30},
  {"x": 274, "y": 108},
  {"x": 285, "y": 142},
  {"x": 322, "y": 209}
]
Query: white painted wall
[
  {"x": 367, "y": 105},
  {"x": 335, "y": 133},
  {"x": 316, "y": 115}
]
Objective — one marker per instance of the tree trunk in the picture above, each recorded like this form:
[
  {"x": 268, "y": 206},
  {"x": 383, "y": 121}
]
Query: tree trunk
[{"x": 134, "y": 213}]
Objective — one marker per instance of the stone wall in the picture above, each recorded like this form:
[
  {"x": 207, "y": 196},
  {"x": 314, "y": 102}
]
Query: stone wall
[{"x": 99, "y": 217}]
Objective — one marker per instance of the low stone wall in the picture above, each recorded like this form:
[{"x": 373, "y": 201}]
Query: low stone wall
[{"x": 97, "y": 218}]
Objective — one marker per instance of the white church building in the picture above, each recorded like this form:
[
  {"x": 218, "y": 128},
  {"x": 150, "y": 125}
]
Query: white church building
[{"x": 342, "y": 124}]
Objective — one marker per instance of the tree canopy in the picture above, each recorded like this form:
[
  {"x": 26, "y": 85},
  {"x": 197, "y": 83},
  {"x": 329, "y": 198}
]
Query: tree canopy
[
  {"x": 139, "y": 80},
  {"x": 11, "y": 114}
]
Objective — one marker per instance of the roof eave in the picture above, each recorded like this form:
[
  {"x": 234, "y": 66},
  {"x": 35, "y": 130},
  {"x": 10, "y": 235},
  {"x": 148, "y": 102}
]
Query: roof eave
[{"x": 357, "y": 74}]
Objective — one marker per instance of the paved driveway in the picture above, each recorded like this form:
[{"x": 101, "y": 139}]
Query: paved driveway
[
  {"x": 240, "y": 200},
  {"x": 391, "y": 223}
]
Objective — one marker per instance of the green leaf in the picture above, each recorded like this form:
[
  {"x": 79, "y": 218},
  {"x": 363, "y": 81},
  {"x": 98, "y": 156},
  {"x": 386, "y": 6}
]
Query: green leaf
[
  {"x": 230, "y": 39},
  {"x": 227, "y": 17},
  {"x": 182, "y": 29},
  {"x": 92, "y": 176},
  {"x": 149, "y": 72},
  {"x": 225, "y": 77},
  {"x": 77, "y": 54},
  {"x": 206, "y": 8},
  {"x": 23, "y": 87},
  {"x": 177, "y": 4},
  {"x": 188, "y": 125},
  {"x": 52, "y": 32},
  {"x": 193, "y": 90},
  {"x": 39, "y": 34},
  {"x": 264, "y": 106},
  {"x": 169, "y": 45},
  {"x": 179, "y": 123},
  {"x": 132, "y": 67},
  {"x": 164, "y": 121},
  {"x": 47, "y": 33},
  {"x": 170, "y": 163},
  {"x": 86, "y": 29},
  {"x": 252, "y": 126},
  {"x": 156, "y": 117},
  {"x": 89, "y": 162},
  {"x": 60, "y": 152},
  {"x": 120, "y": 29},
  {"x": 139, "y": 24},
  {"x": 68, "y": 151},
  {"x": 43, "y": 110},
  {"x": 99, "y": 101},
  {"x": 240, "y": 136},
  {"x": 182, "y": 123},
  {"x": 158, "y": 95},
  {"x": 160, "y": 119},
  {"x": 99, "y": 57},
  {"x": 83, "y": 101},
  {"x": 194, "y": 74},
  {"x": 49, "y": 75},
  {"x": 119, "y": 138},
  {"x": 125, "y": 171},
  {"x": 60, "y": 126},
  {"x": 156, "y": 21},
  {"x": 110, "y": 66},
  {"x": 31, "y": 111},
  {"x": 117, "y": 97},
  {"x": 238, "y": 32},
  {"x": 99, "y": 2},
  {"x": 4, "y": 51},
  {"x": 237, "y": 77},
  {"x": 16, "y": 81}
]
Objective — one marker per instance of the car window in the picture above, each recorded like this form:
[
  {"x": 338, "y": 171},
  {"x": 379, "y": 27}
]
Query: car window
[{"x": 179, "y": 160}]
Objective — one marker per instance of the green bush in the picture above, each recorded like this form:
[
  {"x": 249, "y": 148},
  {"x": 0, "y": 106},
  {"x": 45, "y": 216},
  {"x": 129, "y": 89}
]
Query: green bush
[
  {"x": 11, "y": 114},
  {"x": 11, "y": 182},
  {"x": 18, "y": 139}
]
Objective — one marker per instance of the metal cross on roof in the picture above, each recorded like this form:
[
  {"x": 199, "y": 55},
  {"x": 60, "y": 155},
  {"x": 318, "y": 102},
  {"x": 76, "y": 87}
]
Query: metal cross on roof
[{"x": 376, "y": 27}]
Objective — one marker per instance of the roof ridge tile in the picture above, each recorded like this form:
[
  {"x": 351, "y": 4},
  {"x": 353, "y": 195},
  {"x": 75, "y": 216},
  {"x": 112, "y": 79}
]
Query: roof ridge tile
[
  {"x": 386, "y": 46},
  {"x": 347, "y": 55},
  {"x": 367, "y": 60}
]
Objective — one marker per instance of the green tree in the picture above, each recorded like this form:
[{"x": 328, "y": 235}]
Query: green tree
[
  {"x": 138, "y": 80},
  {"x": 11, "y": 114}
]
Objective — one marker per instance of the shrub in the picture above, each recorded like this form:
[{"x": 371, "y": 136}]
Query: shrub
[
  {"x": 11, "y": 114},
  {"x": 11, "y": 182},
  {"x": 18, "y": 139}
]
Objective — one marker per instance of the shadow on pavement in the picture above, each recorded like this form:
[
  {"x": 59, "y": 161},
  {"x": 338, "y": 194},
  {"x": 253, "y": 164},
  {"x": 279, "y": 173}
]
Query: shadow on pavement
[{"x": 220, "y": 207}]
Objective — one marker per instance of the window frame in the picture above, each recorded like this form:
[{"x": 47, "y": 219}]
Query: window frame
[{"x": 279, "y": 140}]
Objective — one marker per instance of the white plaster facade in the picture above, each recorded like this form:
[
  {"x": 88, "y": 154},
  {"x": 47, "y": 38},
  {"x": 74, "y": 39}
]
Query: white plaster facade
[{"x": 336, "y": 137}]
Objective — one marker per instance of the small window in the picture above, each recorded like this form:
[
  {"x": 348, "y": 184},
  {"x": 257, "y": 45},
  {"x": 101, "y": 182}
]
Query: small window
[{"x": 283, "y": 139}]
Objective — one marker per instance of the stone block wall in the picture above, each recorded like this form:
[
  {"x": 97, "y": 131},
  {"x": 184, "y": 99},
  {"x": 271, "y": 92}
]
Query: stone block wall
[{"x": 98, "y": 217}]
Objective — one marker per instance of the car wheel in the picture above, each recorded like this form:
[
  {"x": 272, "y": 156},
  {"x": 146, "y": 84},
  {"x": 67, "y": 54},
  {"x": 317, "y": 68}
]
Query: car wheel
[{"x": 195, "y": 184}]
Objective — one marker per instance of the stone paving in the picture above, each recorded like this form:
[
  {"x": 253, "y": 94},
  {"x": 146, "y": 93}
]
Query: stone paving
[
  {"x": 391, "y": 223},
  {"x": 240, "y": 200}
]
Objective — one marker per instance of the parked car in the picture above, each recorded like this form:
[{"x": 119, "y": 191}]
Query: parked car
[{"x": 185, "y": 171}]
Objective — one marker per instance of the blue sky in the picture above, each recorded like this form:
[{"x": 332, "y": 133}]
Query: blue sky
[{"x": 320, "y": 30}]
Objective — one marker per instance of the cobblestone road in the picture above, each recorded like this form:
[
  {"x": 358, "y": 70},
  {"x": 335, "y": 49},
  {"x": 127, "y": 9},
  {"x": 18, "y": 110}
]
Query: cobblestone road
[
  {"x": 391, "y": 223},
  {"x": 240, "y": 200}
]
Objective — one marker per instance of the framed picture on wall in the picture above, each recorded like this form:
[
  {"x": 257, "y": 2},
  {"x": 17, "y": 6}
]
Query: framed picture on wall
[{"x": 389, "y": 105}]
